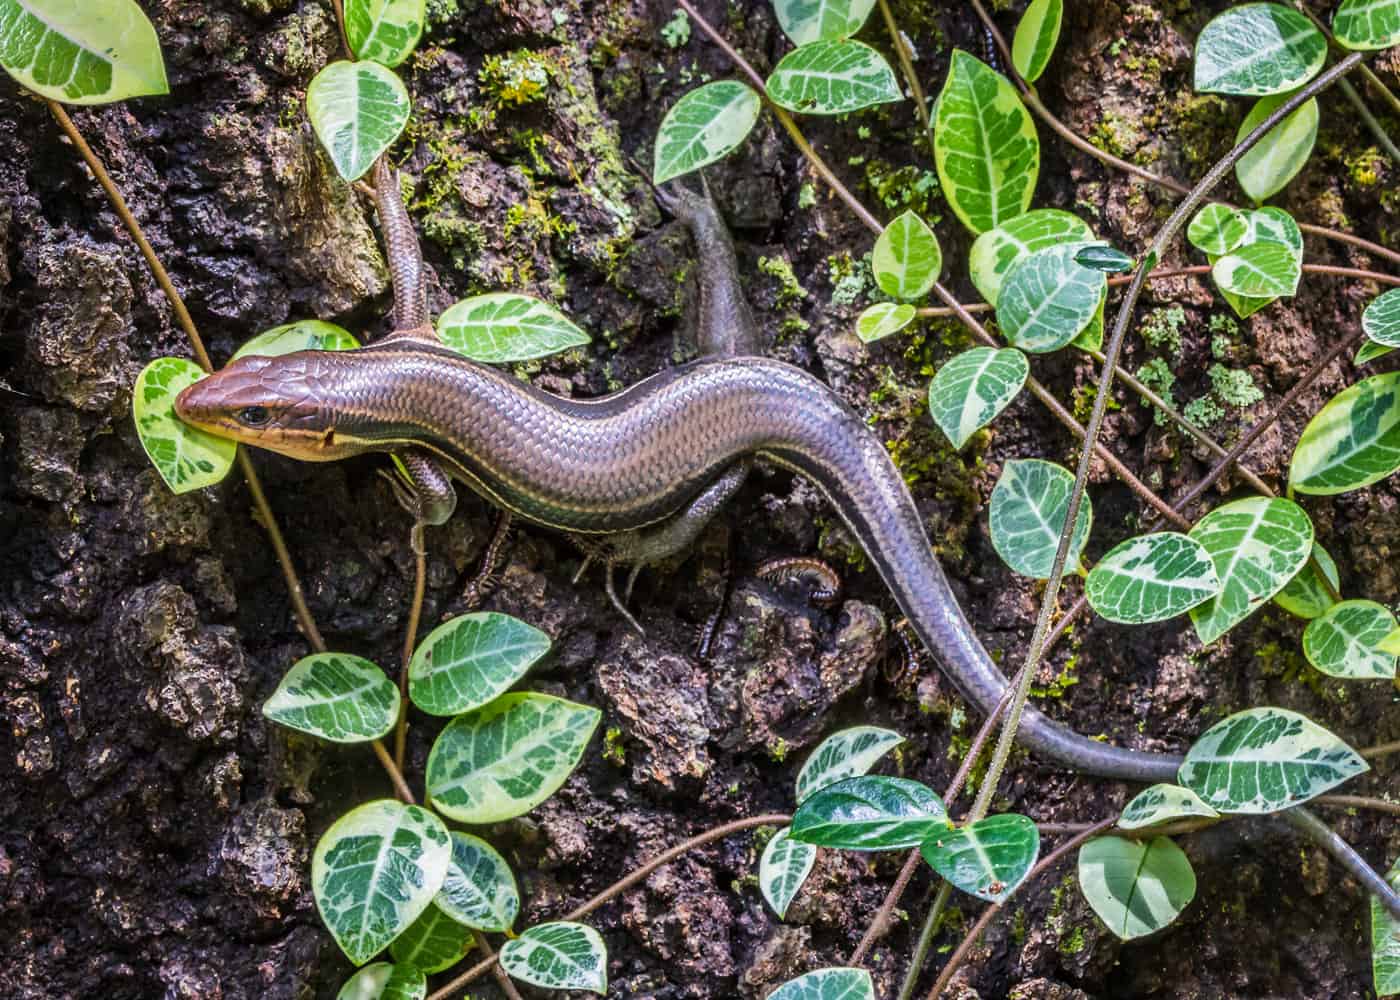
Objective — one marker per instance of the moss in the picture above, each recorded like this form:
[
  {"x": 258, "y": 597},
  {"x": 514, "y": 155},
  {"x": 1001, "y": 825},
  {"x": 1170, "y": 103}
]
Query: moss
[
  {"x": 1366, "y": 168},
  {"x": 779, "y": 750},
  {"x": 806, "y": 196},
  {"x": 516, "y": 78},
  {"x": 613, "y": 751},
  {"x": 1162, "y": 328},
  {"x": 849, "y": 278},
  {"x": 1067, "y": 678},
  {"x": 1072, "y": 943},
  {"x": 790, "y": 290},
  {"x": 1203, "y": 412},
  {"x": 676, "y": 32},
  {"x": 1204, "y": 123},
  {"x": 1158, "y": 376},
  {"x": 904, "y": 188}
]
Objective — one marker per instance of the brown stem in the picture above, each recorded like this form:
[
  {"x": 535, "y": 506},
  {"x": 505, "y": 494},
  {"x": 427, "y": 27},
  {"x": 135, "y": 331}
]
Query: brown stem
[
  {"x": 1371, "y": 77},
  {"x": 410, "y": 640},
  {"x": 1328, "y": 269},
  {"x": 622, "y": 885},
  {"x": 906, "y": 66},
  {"x": 1381, "y": 750},
  {"x": 339, "y": 7},
  {"x": 497, "y": 973},
  {"x": 1359, "y": 802}
]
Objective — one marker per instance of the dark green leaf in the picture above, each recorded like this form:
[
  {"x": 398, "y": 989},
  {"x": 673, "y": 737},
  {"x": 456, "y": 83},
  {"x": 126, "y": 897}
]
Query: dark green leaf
[
  {"x": 336, "y": 696},
  {"x": 870, "y": 814},
  {"x": 988, "y": 858}
]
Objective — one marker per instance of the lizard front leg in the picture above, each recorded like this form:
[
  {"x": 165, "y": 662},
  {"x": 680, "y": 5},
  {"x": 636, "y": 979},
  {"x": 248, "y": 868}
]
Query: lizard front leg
[{"x": 424, "y": 490}]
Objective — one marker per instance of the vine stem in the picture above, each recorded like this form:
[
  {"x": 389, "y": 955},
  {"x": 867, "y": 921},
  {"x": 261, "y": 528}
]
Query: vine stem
[
  {"x": 1371, "y": 77},
  {"x": 262, "y": 510},
  {"x": 338, "y": 6},
  {"x": 497, "y": 973},
  {"x": 1381, "y": 750},
  {"x": 410, "y": 637},
  {"x": 622, "y": 885},
  {"x": 906, "y": 66}
]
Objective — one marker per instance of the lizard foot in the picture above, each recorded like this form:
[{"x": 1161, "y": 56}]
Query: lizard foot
[{"x": 610, "y": 556}]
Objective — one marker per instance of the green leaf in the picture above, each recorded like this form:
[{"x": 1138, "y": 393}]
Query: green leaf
[
  {"x": 357, "y": 109},
  {"x": 806, "y": 21},
  {"x": 433, "y": 942},
  {"x": 1266, "y": 759},
  {"x": 1391, "y": 643},
  {"x": 1275, "y": 159},
  {"x": 502, "y": 327},
  {"x": 502, "y": 760},
  {"x": 1381, "y": 319},
  {"x": 1385, "y": 941},
  {"x": 468, "y": 661},
  {"x": 703, "y": 127},
  {"x": 1353, "y": 441},
  {"x": 997, "y": 249},
  {"x": 1258, "y": 545},
  {"x": 882, "y": 319},
  {"x": 845, "y": 754},
  {"x": 1151, "y": 578},
  {"x": 374, "y": 871},
  {"x": 1257, "y": 49},
  {"x": 1263, "y": 270},
  {"x": 987, "y": 859},
  {"x": 907, "y": 258},
  {"x": 1344, "y": 641},
  {"x": 382, "y": 981},
  {"x": 827, "y": 984},
  {"x": 186, "y": 458},
  {"x": 384, "y": 31},
  {"x": 783, "y": 868},
  {"x": 336, "y": 696},
  {"x": 870, "y": 814},
  {"x": 479, "y": 889},
  {"x": 1036, "y": 35},
  {"x": 1102, "y": 257},
  {"x": 303, "y": 335},
  {"x": 832, "y": 78},
  {"x": 985, "y": 146},
  {"x": 1368, "y": 24},
  {"x": 1048, "y": 298},
  {"x": 1161, "y": 804},
  {"x": 1370, "y": 351},
  {"x": 1306, "y": 595},
  {"x": 558, "y": 956},
  {"x": 1136, "y": 888},
  {"x": 1217, "y": 229},
  {"x": 969, "y": 391},
  {"x": 1265, "y": 225},
  {"x": 88, "y": 52},
  {"x": 1027, "y": 514}
]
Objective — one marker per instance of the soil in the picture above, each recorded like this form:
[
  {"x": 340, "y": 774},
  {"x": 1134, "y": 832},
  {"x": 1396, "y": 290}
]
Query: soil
[{"x": 155, "y": 831}]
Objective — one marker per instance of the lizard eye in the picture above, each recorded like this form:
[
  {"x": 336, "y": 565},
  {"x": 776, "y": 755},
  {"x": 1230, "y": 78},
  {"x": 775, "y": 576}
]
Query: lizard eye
[{"x": 254, "y": 416}]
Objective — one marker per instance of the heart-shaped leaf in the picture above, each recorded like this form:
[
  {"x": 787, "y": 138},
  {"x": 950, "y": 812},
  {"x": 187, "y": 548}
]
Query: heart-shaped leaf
[
  {"x": 783, "y": 868},
  {"x": 827, "y": 984},
  {"x": 303, "y": 335},
  {"x": 806, "y": 21},
  {"x": 1161, "y": 804},
  {"x": 845, "y": 754},
  {"x": 88, "y": 52},
  {"x": 1136, "y": 888},
  {"x": 969, "y": 391},
  {"x": 433, "y": 942},
  {"x": 987, "y": 859},
  {"x": 1275, "y": 159},
  {"x": 375, "y": 870},
  {"x": 357, "y": 109},
  {"x": 336, "y": 696},
  {"x": 995, "y": 251},
  {"x": 832, "y": 78},
  {"x": 1027, "y": 514},
  {"x": 870, "y": 814},
  {"x": 1306, "y": 595},
  {"x": 384, "y": 31},
  {"x": 479, "y": 889},
  {"x": 1266, "y": 225},
  {"x": 1036, "y": 35},
  {"x": 1381, "y": 319},
  {"x": 1345, "y": 641},
  {"x": 1266, "y": 759},
  {"x": 382, "y": 981},
  {"x": 1257, "y": 49},
  {"x": 1368, "y": 24},
  {"x": 907, "y": 258},
  {"x": 1048, "y": 298},
  {"x": 558, "y": 956},
  {"x": 186, "y": 458},
  {"x": 469, "y": 660},
  {"x": 502, "y": 760},
  {"x": 882, "y": 319},
  {"x": 502, "y": 327},
  {"x": 1353, "y": 441},
  {"x": 1151, "y": 578},
  {"x": 703, "y": 127},
  {"x": 1217, "y": 229},
  {"x": 1263, "y": 270}
]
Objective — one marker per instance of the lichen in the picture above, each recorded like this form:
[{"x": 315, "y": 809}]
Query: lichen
[
  {"x": 1234, "y": 387},
  {"x": 1162, "y": 328},
  {"x": 1157, "y": 375}
]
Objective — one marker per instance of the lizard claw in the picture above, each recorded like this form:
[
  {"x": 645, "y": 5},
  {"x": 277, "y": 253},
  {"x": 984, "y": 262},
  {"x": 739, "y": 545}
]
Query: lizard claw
[{"x": 601, "y": 552}]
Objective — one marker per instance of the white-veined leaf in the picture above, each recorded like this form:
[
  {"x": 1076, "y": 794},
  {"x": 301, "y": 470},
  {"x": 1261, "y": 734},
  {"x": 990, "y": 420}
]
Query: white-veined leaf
[
  {"x": 186, "y": 458},
  {"x": 375, "y": 870},
  {"x": 1257, "y": 49},
  {"x": 832, "y": 78},
  {"x": 382, "y": 981},
  {"x": 1262, "y": 270},
  {"x": 1266, "y": 224},
  {"x": 1391, "y": 643},
  {"x": 987, "y": 859},
  {"x": 1370, "y": 351},
  {"x": 882, "y": 319},
  {"x": 1160, "y": 804},
  {"x": 81, "y": 51},
  {"x": 703, "y": 127},
  {"x": 558, "y": 956},
  {"x": 1266, "y": 759},
  {"x": 357, "y": 109},
  {"x": 384, "y": 31},
  {"x": 1345, "y": 641},
  {"x": 1368, "y": 24},
  {"x": 502, "y": 327},
  {"x": 336, "y": 696},
  {"x": 1036, "y": 35},
  {"x": 479, "y": 888},
  {"x": 827, "y": 984},
  {"x": 1027, "y": 514},
  {"x": 907, "y": 258},
  {"x": 1048, "y": 299},
  {"x": 869, "y": 814},
  {"x": 1385, "y": 941},
  {"x": 1381, "y": 319},
  {"x": 997, "y": 249},
  {"x": 469, "y": 660},
  {"x": 1353, "y": 441},
  {"x": 985, "y": 145},
  {"x": 1136, "y": 888},
  {"x": 1217, "y": 229},
  {"x": 845, "y": 754},
  {"x": 1275, "y": 159},
  {"x": 1306, "y": 595},
  {"x": 806, "y": 21},
  {"x": 502, "y": 760},
  {"x": 303, "y": 335},
  {"x": 1151, "y": 578},
  {"x": 1257, "y": 544},
  {"x": 433, "y": 942},
  {"x": 783, "y": 868},
  {"x": 969, "y": 391}
]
